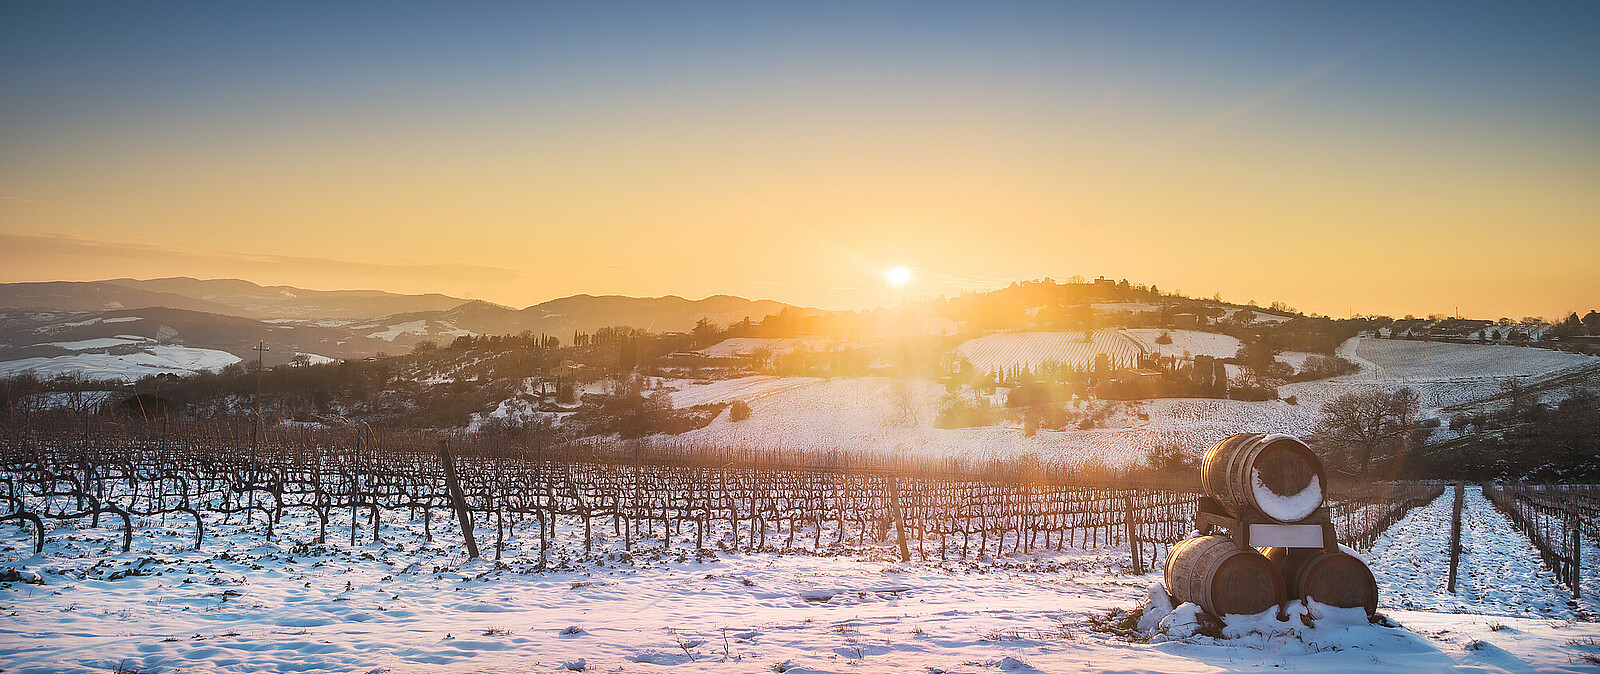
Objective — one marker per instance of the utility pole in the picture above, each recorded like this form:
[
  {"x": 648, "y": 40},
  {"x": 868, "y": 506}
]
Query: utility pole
[
  {"x": 261, "y": 350},
  {"x": 255, "y": 440}
]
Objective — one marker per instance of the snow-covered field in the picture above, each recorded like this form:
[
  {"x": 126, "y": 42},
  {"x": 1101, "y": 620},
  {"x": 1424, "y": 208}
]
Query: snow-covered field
[
  {"x": 1407, "y": 360},
  {"x": 692, "y": 393},
  {"x": 876, "y": 414},
  {"x": 241, "y": 604},
  {"x": 746, "y": 346},
  {"x": 1186, "y": 342},
  {"x": 148, "y": 360},
  {"x": 421, "y": 327},
  {"x": 97, "y": 343},
  {"x": 1008, "y": 349},
  {"x": 316, "y": 359}
]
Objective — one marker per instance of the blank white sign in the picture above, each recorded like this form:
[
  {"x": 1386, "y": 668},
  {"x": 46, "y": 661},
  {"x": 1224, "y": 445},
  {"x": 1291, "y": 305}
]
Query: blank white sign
[{"x": 1286, "y": 535}]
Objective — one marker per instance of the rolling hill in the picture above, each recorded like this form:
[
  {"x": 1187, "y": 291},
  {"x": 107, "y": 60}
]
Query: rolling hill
[{"x": 113, "y": 327}]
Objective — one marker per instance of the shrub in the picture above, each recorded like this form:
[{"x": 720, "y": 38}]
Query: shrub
[
  {"x": 959, "y": 412},
  {"x": 1170, "y": 458},
  {"x": 739, "y": 411},
  {"x": 1319, "y": 366}
]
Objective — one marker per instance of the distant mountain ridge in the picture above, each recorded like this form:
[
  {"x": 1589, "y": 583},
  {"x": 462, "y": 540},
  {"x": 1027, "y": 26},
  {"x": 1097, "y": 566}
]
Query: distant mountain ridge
[
  {"x": 232, "y": 315},
  {"x": 99, "y": 296},
  {"x": 258, "y": 301},
  {"x": 234, "y": 297},
  {"x": 586, "y": 313}
]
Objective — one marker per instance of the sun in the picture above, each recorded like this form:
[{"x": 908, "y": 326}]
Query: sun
[{"x": 899, "y": 276}]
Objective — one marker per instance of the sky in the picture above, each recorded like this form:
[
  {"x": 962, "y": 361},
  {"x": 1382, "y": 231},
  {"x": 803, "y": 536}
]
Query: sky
[{"x": 1353, "y": 157}]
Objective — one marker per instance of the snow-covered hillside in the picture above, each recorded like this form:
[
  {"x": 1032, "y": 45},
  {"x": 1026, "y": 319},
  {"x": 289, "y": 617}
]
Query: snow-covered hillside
[
  {"x": 746, "y": 346},
  {"x": 1186, "y": 342},
  {"x": 1409, "y": 360},
  {"x": 104, "y": 361},
  {"x": 1008, "y": 349},
  {"x": 876, "y": 414}
]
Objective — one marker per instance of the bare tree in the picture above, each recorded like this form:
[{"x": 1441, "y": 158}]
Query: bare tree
[
  {"x": 905, "y": 412},
  {"x": 1369, "y": 426}
]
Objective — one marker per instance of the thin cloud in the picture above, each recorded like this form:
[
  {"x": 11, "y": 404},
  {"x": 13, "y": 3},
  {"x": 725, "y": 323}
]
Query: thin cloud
[
  {"x": 33, "y": 246},
  {"x": 1262, "y": 99},
  {"x": 6, "y": 197}
]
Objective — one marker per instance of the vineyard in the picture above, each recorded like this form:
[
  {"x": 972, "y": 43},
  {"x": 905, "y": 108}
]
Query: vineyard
[
  {"x": 1417, "y": 360},
  {"x": 1557, "y": 519},
  {"x": 747, "y": 346},
  {"x": 1186, "y": 342},
  {"x": 351, "y": 483},
  {"x": 1006, "y": 350}
]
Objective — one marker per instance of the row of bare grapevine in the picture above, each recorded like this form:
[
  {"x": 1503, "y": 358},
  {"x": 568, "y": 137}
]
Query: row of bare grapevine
[
  {"x": 1361, "y": 514},
  {"x": 1555, "y": 518},
  {"x": 686, "y": 497}
]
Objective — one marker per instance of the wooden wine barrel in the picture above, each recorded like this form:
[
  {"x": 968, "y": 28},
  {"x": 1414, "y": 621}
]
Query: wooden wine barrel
[
  {"x": 1213, "y": 572},
  {"x": 1289, "y": 472},
  {"x": 1333, "y": 578}
]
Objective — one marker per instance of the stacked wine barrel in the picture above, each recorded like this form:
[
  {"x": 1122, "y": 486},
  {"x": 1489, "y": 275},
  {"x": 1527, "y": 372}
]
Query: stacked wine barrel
[{"x": 1260, "y": 479}]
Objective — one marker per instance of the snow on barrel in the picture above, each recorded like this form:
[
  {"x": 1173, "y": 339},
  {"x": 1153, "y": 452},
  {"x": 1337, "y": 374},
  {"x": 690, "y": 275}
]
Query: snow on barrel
[
  {"x": 1334, "y": 578},
  {"x": 1277, "y": 475},
  {"x": 1214, "y": 573}
]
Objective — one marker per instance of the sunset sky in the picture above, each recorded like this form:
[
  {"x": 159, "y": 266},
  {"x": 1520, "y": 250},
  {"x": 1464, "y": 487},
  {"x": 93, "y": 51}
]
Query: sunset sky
[{"x": 1384, "y": 157}]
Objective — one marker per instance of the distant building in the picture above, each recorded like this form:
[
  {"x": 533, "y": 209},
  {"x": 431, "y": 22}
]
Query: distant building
[{"x": 1185, "y": 321}]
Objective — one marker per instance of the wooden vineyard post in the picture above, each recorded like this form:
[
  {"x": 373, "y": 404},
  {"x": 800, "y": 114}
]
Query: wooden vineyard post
[
  {"x": 1133, "y": 538},
  {"x": 1576, "y": 522},
  {"x": 899, "y": 519},
  {"x": 458, "y": 500},
  {"x": 1455, "y": 537}
]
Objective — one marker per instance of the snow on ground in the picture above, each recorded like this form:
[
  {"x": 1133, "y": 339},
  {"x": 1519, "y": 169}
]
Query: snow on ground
[
  {"x": 1191, "y": 342},
  {"x": 866, "y": 414},
  {"x": 1195, "y": 423},
  {"x": 96, "y": 343},
  {"x": 1295, "y": 359},
  {"x": 1410, "y": 360},
  {"x": 1256, "y": 315},
  {"x": 241, "y": 604},
  {"x": 418, "y": 327},
  {"x": 690, "y": 393},
  {"x": 1007, "y": 349},
  {"x": 149, "y": 360},
  {"x": 745, "y": 346},
  {"x": 1442, "y": 373},
  {"x": 870, "y": 414},
  {"x": 316, "y": 359}
]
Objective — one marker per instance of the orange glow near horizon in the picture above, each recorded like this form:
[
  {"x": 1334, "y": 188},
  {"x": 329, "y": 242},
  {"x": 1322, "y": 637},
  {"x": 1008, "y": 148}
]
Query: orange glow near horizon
[{"x": 798, "y": 171}]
